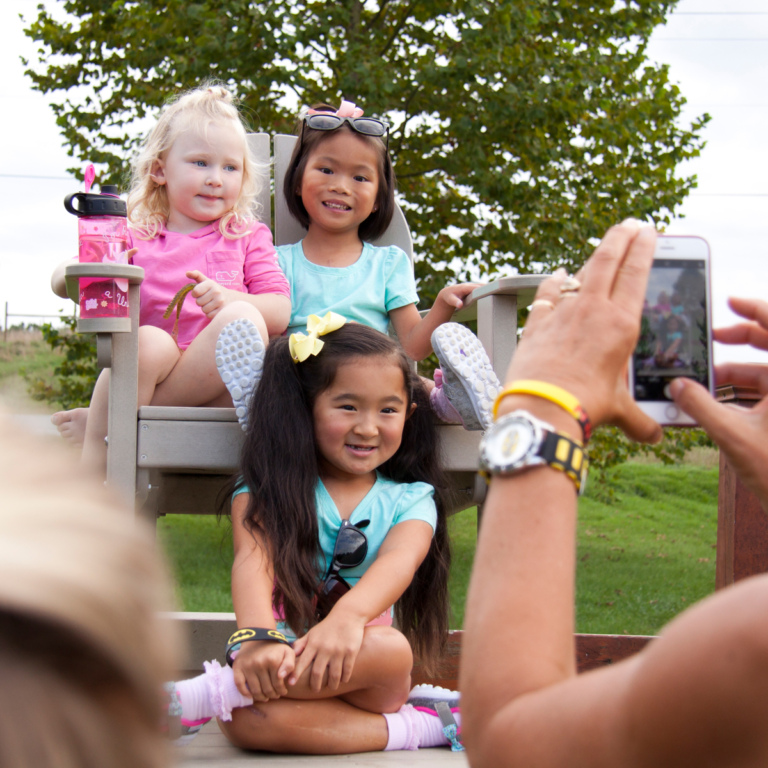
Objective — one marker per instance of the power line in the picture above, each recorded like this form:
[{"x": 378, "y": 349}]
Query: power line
[
  {"x": 720, "y": 13},
  {"x": 28, "y": 176},
  {"x": 713, "y": 39}
]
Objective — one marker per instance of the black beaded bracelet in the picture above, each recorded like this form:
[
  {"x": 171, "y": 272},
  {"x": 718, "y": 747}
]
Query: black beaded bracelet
[{"x": 246, "y": 634}]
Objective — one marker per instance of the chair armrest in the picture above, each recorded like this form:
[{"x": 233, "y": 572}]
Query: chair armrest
[
  {"x": 495, "y": 307},
  {"x": 117, "y": 344},
  {"x": 522, "y": 287}
]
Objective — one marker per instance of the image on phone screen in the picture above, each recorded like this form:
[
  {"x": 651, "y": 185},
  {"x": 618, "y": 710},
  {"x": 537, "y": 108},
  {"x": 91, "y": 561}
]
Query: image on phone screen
[{"x": 674, "y": 335}]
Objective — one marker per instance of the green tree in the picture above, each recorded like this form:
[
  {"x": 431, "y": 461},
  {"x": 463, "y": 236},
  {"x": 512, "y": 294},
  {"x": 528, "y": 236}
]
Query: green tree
[{"x": 521, "y": 129}]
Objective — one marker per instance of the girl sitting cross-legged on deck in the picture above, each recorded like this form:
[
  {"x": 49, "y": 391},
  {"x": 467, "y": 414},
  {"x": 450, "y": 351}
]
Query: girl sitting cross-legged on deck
[
  {"x": 340, "y": 184},
  {"x": 338, "y": 516},
  {"x": 190, "y": 213}
]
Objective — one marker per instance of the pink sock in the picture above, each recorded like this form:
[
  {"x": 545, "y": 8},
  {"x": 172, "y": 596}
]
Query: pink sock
[
  {"x": 401, "y": 727},
  {"x": 411, "y": 728},
  {"x": 440, "y": 404},
  {"x": 431, "y": 733}
]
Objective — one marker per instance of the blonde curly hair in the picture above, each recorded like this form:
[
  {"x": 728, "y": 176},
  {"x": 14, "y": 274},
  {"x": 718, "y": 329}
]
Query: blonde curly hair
[
  {"x": 84, "y": 647},
  {"x": 148, "y": 207}
]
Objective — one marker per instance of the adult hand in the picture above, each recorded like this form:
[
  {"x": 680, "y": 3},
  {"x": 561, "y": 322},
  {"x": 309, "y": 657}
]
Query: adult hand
[
  {"x": 582, "y": 341},
  {"x": 740, "y": 432},
  {"x": 261, "y": 668}
]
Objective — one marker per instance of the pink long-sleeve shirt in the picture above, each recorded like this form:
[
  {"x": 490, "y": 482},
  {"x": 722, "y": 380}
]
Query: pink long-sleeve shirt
[{"x": 247, "y": 264}]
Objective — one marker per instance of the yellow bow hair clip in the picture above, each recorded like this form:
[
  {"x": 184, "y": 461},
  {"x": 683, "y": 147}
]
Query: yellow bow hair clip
[{"x": 301, "y": 346}]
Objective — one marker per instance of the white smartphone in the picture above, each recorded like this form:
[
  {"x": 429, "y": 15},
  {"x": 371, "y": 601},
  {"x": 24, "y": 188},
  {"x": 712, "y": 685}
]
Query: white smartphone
[{"x": 676, "y": 332}]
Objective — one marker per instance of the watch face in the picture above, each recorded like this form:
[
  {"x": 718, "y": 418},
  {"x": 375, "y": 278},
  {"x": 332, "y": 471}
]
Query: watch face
[{"x": 508, "y": 444}]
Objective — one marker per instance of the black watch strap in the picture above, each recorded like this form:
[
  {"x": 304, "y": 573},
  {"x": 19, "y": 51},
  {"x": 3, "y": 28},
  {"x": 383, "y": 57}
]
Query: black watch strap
[
  {"x": 562, "y": 453},
  {"x": 247, "y": 634}
]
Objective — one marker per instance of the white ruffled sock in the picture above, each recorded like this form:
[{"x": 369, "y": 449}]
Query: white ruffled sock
[{"x": 212, "y": 694}]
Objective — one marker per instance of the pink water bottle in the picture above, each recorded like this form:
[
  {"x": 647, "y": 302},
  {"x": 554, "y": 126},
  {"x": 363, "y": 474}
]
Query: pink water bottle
[{"x": 103, "y": 238}]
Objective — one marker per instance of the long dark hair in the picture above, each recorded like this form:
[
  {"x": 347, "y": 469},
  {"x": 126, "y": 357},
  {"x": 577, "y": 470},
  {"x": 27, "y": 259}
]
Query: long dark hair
[
  {"x": 280, "y": 469},
  {"x": 376, "y": 224}
]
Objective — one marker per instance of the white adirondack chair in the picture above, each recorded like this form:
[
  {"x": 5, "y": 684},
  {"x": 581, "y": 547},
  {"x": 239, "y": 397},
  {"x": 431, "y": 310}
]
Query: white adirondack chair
[
  {"x": 173, "y": 460},
  {"x": 166, "y": 460}
]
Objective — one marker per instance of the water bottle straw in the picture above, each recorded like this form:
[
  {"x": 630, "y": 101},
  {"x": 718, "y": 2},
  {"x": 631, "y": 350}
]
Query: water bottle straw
[{"x": 90, "y": 175}]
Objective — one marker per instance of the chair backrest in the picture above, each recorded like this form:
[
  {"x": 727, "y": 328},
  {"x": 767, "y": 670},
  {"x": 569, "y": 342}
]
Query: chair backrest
[{"x": 285, "y": 228}]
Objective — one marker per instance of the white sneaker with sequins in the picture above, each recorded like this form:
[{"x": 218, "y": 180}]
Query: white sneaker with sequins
[
  {"x": 469, "y": 381},
  {"x": 240, "y": 360}
]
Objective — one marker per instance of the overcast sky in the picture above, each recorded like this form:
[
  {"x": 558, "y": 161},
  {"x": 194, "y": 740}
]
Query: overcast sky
[{"x": 719, "y": 58}]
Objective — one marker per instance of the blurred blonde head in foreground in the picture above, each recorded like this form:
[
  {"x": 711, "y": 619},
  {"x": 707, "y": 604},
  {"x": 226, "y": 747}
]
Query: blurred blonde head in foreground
[{"x": 82, "y": 651}]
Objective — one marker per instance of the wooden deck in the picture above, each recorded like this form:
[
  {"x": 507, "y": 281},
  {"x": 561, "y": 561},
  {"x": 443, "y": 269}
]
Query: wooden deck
[{"x": 212, "y": 750}]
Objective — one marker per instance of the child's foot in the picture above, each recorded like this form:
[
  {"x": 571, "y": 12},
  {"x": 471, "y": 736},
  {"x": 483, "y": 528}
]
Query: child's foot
[
  {"x": 176, "y": 726},
  {"x": 440, "y": 404},
  {"x": 469, "y": 381},
  {"x": 239, "y": 360},
  {"x": 71, "y": 425},
  {"x": 439, "y": 704},
  {"x": 432, "y": 722},
  {"x": 192, "y": 703}
]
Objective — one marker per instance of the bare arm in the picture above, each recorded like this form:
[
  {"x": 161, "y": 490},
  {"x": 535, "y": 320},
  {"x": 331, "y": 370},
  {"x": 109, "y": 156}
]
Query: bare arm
[
  {"x": 415, "y": 332},
  {"x": 261, "y": 667},
  {"x": 211, "y": 297},
  {"x": 518, "y": 681},
  {"x": 58, "y": 283},
  {"x": 274, "y": 307},
  {"x": 694, "y": 696},
  {"x": 333, "y": 644}
]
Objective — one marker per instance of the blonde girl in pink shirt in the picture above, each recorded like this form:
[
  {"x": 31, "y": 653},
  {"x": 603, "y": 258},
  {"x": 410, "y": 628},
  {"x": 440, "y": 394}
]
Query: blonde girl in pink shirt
[{"x": 190, "y": 212}]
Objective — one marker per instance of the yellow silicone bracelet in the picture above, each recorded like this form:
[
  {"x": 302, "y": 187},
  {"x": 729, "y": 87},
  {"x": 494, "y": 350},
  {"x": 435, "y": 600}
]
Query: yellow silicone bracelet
[{"x": 554, "y": 394}]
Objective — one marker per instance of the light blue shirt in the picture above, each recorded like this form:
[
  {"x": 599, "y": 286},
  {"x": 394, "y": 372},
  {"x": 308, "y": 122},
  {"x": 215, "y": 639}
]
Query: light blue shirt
[
  {"x": 385, "y": 505},
  {"x": 366, "y": 292}
]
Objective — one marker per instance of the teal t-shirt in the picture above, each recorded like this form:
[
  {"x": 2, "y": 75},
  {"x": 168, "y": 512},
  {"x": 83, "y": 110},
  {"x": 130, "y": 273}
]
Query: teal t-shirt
[
  {"x": 378, "y": 282},
  {"x": 385, "y": 505}
]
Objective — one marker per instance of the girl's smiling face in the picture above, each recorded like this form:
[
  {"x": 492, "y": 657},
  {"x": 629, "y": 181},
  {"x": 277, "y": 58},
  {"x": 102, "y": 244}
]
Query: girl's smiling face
[
  {"x": 359, "y": 419},
  {"x": 203, "y": 175},
  {"x": 340, "y": 182}
]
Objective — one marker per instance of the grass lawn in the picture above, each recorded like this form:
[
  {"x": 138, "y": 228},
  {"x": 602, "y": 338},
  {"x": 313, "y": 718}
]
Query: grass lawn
[
  {"x": 642, "y": 558},
  {"x": 25, "y": 352}
]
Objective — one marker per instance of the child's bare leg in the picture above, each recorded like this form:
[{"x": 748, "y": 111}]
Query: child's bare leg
[
  {"x": 333, "y": 722},
  {"x": 381, "y": 679},
  {"x": 158, "y": 354},
  {"x": 168, "y": 377},
  {"x": 96, "y": 426},
  {"x": 323, "y": 727},
  {"x": 71, "y": 424},
  {"x": 195, "y": 380}
]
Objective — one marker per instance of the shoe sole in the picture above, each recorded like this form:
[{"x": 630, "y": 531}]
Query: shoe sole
[
  {"x": 469, "y": 381},
  {"x": 434, "y": 692},
  {"x": 239, "y": 360},
  {"x": 425, "y": 697}
]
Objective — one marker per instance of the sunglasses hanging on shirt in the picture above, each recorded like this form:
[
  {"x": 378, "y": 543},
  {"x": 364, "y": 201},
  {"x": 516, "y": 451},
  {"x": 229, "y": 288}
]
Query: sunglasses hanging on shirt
[{"x": 349, "y": 551}]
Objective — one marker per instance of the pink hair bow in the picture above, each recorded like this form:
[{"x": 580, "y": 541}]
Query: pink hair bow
[{"x": 347, "y": 109}]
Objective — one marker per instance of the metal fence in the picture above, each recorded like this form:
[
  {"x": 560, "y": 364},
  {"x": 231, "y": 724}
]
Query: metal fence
[{"x": 20, "y": 314}]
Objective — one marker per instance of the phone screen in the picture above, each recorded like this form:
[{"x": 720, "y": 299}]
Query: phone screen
[{"x": 674, "y": 334}]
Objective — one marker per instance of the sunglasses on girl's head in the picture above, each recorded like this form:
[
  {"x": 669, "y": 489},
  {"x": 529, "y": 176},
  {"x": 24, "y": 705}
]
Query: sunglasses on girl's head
[
  {"x": 327, "y": 121},
  {"x": 349, "y": 551}
]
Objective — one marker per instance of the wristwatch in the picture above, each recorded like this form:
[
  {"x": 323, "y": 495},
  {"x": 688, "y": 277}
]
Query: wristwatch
[{"x": 519, "y": 441}]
